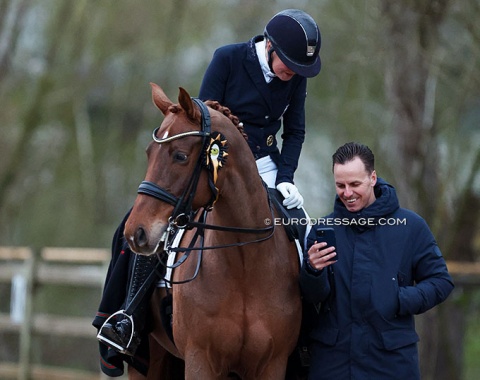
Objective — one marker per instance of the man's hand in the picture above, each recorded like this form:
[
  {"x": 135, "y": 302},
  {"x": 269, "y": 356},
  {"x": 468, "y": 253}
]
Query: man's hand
[{"x": 320, "y": 257}]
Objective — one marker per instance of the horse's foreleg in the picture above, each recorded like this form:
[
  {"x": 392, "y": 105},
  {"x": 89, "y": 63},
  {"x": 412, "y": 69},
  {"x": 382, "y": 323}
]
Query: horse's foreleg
[
  {"x": 197, "y": 367},
  {"x": 275, "y": 369},
  {"x": 133, "y": 374},
  {"x": 163, "y": 365}
]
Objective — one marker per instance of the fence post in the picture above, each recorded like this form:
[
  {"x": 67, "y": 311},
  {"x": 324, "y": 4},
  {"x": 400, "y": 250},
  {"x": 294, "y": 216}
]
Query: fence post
[{"x": 25, "y": 365}]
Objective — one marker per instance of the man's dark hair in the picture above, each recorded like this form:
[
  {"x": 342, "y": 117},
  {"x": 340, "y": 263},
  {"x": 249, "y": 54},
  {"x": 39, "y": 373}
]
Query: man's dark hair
[{"x": 349, "y": 151}]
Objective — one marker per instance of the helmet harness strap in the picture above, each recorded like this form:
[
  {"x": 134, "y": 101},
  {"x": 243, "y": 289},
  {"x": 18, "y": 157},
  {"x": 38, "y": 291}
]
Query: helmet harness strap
[{"x": 269, "y": 55}]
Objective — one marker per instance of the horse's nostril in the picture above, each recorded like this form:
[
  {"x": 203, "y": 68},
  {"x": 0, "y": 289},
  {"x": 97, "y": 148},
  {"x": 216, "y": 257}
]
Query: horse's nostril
[{"x": 141, "y": 237}]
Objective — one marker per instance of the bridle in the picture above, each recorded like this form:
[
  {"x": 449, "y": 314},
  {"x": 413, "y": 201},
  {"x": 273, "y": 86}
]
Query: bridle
[
  {"x": 183, "y": 205},
  {"x": 183, "y": 213}
]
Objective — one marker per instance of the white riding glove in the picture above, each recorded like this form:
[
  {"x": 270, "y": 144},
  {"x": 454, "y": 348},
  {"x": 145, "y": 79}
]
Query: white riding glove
[{"x": 292, "y": 196}]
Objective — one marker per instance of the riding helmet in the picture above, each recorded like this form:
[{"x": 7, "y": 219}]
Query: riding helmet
[{"x": 296, "y": 39}]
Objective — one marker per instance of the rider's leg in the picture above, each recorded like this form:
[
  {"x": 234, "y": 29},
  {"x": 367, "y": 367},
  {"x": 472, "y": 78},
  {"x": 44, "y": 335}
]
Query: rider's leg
[{"x": 122, "y": 331}]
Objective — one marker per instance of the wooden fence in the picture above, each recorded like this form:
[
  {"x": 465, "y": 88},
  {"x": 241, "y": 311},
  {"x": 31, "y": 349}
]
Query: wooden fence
[{"x": 25, "y": 269}]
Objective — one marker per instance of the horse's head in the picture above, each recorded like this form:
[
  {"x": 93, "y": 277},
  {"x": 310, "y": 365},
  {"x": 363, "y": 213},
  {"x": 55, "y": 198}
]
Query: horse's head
[{"x": 184, "y": 159}]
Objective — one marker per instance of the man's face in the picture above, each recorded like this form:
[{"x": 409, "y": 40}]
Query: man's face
[{"x": 354, "y": 185}]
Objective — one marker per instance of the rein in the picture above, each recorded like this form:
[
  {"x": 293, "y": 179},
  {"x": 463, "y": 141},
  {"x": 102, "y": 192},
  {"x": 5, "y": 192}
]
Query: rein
[
  {"x": 183, "y": 213},
  {"x": 204, "y": 226},
  {"x": 199, "y": 233}
]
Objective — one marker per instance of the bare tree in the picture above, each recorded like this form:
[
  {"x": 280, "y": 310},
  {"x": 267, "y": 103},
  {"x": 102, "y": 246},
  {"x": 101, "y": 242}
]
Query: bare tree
[
  {"x": 412, "y": 80},
  {"x": 11, "y": 19}
]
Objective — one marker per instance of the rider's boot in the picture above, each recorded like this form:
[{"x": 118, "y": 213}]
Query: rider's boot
[{"x": 124, "y": 333}]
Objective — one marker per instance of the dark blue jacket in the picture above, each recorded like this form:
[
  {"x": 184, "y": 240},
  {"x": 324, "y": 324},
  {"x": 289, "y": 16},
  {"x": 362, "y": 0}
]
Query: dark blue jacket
[
  {"x": 234, "y": 78},
  {"x": 385, "y": 274}
]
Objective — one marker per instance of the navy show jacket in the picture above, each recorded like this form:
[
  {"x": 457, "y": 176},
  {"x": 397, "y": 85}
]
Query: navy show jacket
[{"x": 235, "y": 79}]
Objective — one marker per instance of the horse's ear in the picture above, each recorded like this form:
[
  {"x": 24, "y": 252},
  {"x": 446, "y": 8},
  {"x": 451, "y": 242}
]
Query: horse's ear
[
  {"x": 159, "y": 98},
  {"x": 187, "y": 104}
]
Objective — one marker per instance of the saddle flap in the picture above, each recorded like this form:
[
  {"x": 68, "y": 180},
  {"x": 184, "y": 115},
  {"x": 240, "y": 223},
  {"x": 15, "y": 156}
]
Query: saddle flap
[{"x": 291, "y": 218}]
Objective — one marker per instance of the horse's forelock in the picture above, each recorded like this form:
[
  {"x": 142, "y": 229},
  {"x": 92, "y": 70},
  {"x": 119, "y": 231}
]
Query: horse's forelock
[{"x": 174, "y": 108}]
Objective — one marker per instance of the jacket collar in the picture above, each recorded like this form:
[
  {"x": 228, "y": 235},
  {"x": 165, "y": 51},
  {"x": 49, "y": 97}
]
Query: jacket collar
[
  {"x": 385, "y": 204},
  {"x": 262, "y": 59},
  {"x": 254, "y": 70}
]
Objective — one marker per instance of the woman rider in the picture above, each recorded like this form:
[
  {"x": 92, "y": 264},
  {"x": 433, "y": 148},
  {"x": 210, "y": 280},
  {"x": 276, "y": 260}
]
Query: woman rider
[{"x": 264, "y": 83}]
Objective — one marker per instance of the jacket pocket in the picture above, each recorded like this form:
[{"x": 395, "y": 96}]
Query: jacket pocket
[
  {"x": 394, "y": 339},
  {"x": 402, "y": 279},
  {"x": 325, "y": 335}
]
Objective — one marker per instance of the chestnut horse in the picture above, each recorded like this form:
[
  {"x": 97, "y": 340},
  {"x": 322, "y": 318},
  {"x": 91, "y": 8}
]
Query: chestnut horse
[{"x": 236, "y": 300}]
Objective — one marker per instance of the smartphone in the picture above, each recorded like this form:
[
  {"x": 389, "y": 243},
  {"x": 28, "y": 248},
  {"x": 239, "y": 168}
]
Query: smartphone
[{"x": 326, "y": 234}]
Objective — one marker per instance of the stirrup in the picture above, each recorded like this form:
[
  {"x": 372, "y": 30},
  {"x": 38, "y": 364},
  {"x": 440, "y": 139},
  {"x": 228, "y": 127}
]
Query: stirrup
[{"x": 102, "y": 338}]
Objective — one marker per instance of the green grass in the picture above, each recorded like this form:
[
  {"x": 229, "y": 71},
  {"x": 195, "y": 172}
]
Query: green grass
[{"x": 472, "y": 342}]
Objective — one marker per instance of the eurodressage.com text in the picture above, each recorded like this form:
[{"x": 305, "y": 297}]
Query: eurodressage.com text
[{"x": 339, "y": 221}]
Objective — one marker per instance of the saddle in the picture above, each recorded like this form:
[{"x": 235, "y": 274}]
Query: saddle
[{"x": 294, "y": 220}]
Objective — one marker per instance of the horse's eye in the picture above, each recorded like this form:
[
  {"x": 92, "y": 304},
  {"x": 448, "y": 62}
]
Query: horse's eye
[{"x": 180, "y": 157}]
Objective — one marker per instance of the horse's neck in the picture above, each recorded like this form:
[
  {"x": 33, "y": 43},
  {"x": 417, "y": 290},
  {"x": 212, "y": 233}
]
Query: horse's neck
[{"x": 244, "y": 201}]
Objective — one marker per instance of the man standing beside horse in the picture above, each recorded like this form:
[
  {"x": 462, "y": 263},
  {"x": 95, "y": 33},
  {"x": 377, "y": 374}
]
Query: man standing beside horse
[{"x": 386, "y": 267}]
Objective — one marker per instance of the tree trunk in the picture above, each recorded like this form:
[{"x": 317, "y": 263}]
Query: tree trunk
[
  {"x": 33, "y": 115},
  {"x": 412, "y": 32}
]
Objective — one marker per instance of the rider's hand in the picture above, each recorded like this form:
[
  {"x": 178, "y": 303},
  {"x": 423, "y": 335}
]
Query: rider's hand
[{"x": 292, "y": 196}]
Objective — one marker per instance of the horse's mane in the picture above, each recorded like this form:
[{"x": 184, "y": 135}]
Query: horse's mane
[{"x": 226, "y": 111}]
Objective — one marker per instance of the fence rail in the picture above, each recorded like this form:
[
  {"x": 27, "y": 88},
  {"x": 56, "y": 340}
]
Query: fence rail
[
  {"x": 82, "y": 267},
  {"x": 27, "y": 269},
  {"x": 38, "y": 372}
]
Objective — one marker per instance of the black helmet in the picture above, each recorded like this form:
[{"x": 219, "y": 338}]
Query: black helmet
[{"x": 296, "y": 39}]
